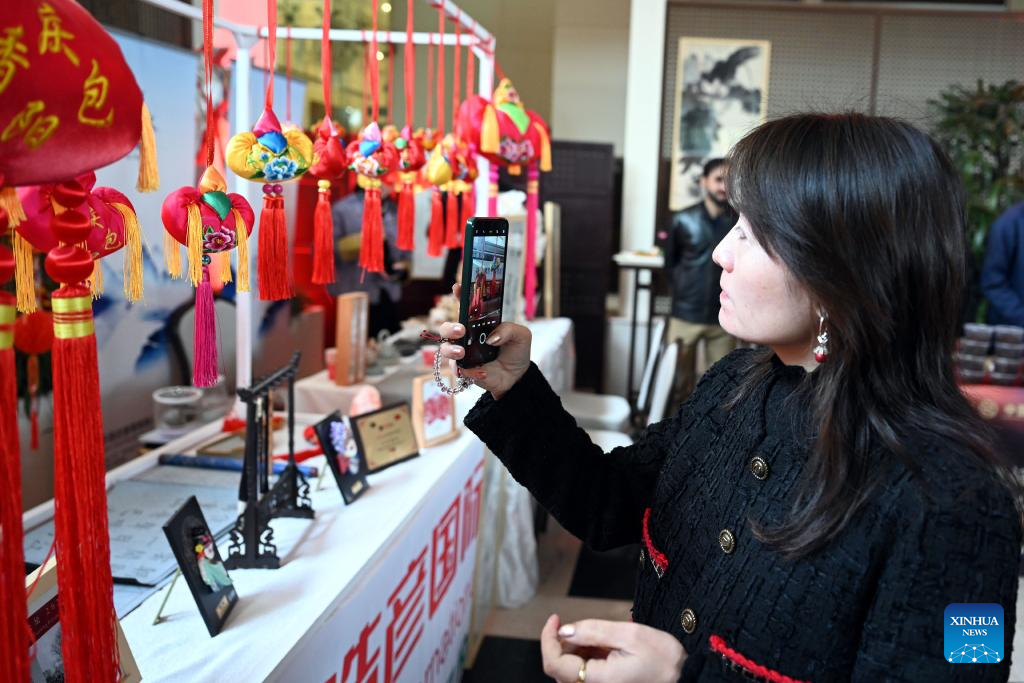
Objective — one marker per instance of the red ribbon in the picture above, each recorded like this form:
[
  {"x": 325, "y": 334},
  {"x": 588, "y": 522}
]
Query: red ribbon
[
  {"x": 410, "y": 69},
  {"x": 440, "y": 68},
  {"x": 272, "y": 50}
]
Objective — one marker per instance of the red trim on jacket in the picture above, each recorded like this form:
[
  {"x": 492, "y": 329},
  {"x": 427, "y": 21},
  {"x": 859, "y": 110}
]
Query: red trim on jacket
[
  {"x": 719, "y": 645},
  {"x": 659, "y": 559}
]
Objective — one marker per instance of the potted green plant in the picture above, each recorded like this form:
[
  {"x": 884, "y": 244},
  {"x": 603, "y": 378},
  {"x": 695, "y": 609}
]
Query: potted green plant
[{"x": 982, "y": 130}]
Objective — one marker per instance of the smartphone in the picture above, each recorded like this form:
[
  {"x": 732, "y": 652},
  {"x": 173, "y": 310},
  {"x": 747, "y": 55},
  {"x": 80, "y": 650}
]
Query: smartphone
[{"x": 483, "y": 287}]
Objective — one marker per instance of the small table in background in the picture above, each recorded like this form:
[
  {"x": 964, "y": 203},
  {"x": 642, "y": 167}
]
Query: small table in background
[{"x": 627, "y": 260}]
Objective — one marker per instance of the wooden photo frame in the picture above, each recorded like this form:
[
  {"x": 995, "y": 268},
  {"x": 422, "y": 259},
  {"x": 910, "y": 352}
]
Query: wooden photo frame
[
  {"x": 338, "y": 441},
  {"x": 433, "y": 412},
  {"x": 385, "y": 437},
  {"x": 44, "y": 620}
]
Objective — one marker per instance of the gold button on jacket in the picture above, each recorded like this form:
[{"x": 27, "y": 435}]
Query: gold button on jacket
[
  {"x": 759, "y": 467},
  {"x": 688, "y": 619},
  {"x": 727, "y": 541}
]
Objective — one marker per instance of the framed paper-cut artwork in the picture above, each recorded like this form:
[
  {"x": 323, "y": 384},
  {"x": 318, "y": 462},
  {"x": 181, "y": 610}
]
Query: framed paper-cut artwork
[
  {"x": 338, "y": 440},
  {"x": 433, "y": 412},
  {"x": 201, "y": 565}
]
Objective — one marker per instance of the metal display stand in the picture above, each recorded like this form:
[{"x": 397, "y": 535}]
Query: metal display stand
[{"x": 252, "y": 539}]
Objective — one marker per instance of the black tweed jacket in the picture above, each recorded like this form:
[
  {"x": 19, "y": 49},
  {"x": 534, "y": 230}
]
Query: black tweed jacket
[{"x": 867, "y": 607}]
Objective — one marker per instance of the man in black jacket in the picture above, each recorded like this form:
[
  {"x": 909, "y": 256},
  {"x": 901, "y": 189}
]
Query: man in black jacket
[{"x": 693, "y": 234}]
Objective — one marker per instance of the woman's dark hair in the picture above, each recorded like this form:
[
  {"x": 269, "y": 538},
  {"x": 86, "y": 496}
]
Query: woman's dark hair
[{"x": 867, "y": 214}]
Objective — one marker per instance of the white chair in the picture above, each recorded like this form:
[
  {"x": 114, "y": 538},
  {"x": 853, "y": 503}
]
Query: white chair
[
  {"x": 660, "y": 393},
  {"x": 663, "y": 383},
  {"x": 608, "y": 411}
]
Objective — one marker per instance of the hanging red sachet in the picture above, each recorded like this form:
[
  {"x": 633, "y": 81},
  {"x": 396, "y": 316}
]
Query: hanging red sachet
[{"x": 271, "y": 155}]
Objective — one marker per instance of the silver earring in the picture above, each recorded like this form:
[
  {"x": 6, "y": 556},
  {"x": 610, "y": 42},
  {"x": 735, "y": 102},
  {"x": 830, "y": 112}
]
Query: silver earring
[{"x": 821, "y": 350}]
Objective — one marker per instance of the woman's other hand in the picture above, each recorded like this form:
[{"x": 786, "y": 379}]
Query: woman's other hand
[
  {"x": 614, "y": 651},
  {"x": 498, "y": 376}
]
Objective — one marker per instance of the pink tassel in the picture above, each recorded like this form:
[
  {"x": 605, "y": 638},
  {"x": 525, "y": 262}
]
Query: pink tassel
[
  {"x": 530, "y": 279},
  {"x": 492, "y": 191},
  {"x": 204, "y": 372}
]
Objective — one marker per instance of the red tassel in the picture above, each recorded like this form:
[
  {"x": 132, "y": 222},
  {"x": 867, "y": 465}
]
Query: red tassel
[
  {"x": 204, "y": 368},
  {"x": 80, "y": 500},
  {"x": 468, "y": 211},
  {"x": 435, "y": 238},
  {"x": 530, "y": 278},
  {"x": 406, "y": 218},
  {"x": 323, "y": 236},
  {"x": 371, "y": 250},
  {"x": 14, "y": 644},
  {"x": 272, "y": 263},
  {"x": 451, "y": 220}
]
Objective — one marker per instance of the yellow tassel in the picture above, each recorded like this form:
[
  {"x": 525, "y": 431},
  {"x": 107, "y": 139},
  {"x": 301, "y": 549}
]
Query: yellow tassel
[
  {"x": 195, "y": 244},
  {"x": 96, "y": 280},
  {"x": 242, "y": 244},
  {"x": 514, "y": 169},
  {"x": 149, "y": 174},
  {"x": 490, "y": 137},
  {"x": 545, "y": 148},
  {"x": 24, "y": 273},
  {"x": 225, "y": 267},
  {"x": 172, "y": 256},
  {"x": 10, "y": 203},
  {"x": 132, "y": 252}
]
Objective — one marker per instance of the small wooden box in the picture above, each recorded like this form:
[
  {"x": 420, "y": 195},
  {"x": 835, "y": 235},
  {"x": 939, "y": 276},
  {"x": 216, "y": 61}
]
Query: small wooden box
[{"x": 350, "y": 338}]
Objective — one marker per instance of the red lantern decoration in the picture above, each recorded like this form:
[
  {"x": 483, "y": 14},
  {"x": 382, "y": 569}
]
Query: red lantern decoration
[{"x": 510, "y": 135}]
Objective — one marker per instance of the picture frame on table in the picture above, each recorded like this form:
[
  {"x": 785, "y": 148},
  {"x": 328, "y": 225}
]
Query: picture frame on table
[
  {"x": 433, "y": 412},
  {"x": 201, "y": 564},
  {"x": 338, "y": 441},
  {"x": 44, "y": 620},
  {"x": 385, "y": 437}
]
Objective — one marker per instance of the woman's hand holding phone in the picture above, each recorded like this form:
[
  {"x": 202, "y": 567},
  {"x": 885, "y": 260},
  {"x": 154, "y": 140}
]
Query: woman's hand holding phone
[{"x": 498, "y": 376}]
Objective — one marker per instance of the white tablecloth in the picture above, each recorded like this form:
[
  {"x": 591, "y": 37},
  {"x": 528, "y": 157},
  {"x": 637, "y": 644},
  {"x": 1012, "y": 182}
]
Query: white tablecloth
[
  {"x": 507, "y": 570},
  {"x": 406, "y": 547}
]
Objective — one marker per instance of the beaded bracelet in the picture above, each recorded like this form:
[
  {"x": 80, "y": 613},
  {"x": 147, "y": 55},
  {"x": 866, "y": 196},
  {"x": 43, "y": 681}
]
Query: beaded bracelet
[{"x": 461, "y": 384}]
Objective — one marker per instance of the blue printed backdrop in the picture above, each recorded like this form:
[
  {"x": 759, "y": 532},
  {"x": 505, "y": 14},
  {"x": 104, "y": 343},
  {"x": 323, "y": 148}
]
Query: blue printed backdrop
[
  {"x": 969, "y": 643},
  {"x": 131, "y": 339}
]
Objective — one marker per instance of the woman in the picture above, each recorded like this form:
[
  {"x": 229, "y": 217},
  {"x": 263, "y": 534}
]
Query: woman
[{"x": 814, "y": 506}]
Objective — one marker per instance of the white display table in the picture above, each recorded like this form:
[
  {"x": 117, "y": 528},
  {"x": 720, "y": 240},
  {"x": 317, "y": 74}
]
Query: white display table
[{"x": 391, "y": 574}]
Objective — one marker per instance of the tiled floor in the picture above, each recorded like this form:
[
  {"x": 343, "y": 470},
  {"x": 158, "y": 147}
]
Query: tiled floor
[{"x": 511, "y": 654}]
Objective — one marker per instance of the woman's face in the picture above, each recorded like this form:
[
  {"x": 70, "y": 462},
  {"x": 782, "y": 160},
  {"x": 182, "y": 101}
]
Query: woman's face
[{"x": 761, "y": 303}]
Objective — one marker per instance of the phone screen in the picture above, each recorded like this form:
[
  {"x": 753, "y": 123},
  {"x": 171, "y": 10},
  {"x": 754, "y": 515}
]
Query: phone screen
[
  {"x": 486, "y": 285},
  {"x": 483, "y": 288}
]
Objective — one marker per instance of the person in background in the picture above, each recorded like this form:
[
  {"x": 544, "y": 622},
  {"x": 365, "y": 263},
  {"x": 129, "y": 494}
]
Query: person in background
[
  {"x": 692, "y": 236},
  {"x": 384, "y": 289},
  {"x": 1002, "y": 276}
]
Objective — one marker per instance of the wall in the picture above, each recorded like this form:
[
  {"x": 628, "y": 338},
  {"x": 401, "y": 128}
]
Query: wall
[
  {"x": 588, "y": 71},
  {"x": 824, "y": 58}
]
